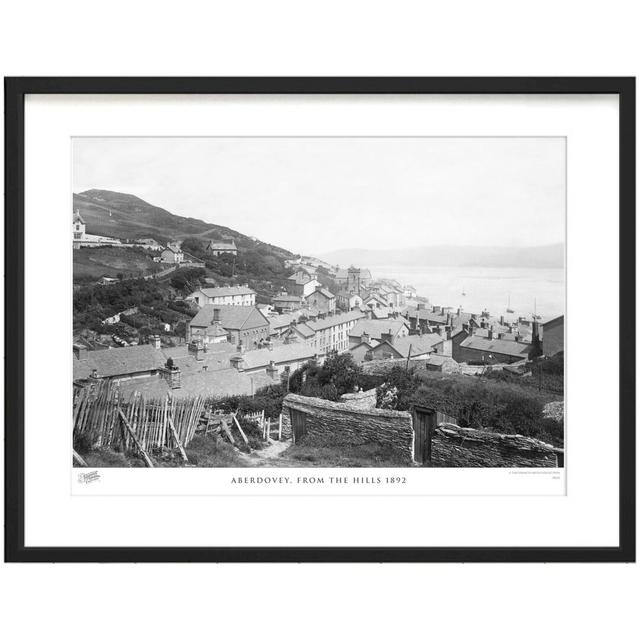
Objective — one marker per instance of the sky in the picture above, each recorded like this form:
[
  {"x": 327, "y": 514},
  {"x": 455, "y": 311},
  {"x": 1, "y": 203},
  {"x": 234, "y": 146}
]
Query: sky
[{"x": 316, "y": 195}]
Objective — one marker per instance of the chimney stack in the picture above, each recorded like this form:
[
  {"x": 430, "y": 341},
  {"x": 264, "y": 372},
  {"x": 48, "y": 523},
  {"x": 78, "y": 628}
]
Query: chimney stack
[
  {"x": 364, "y": 337},
  {"x": 388, "y": 336},
  {"x": 155, "y": 341},
  {"x": 272, "y": 370},
  {"x": 490, "y": 333},
  {"x": 420, "y": 306},
  {"x": 216, "y": 316}
]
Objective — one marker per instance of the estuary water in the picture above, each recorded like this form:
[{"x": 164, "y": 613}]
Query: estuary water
[{"x": 489, "y": 288}]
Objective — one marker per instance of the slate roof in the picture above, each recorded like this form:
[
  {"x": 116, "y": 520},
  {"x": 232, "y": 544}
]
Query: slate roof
[
  {"x": 286, "y": 298},
  {"x": 334, "y": 320},
  {"x": 231, "y": 317},
  {"x": 229, "y": 245},
  {"x": 215, "y": 292},
  {"x": 216, "y": 384},
  {"x": 301, "y": 277},
  {"x": 305, "y": 330},
  {"x": 283, "y": 320},
  {"x": 505, "y": 347},
  {"x": 120, "y": 361},
  {"x": 325, "y": 292},
  {"x": 282, "y": 354},
  {"x": 77, "y": 217},
  {"x": 419, "y": 344},
  {"x": 216, "y": 357},
  {"x": 375, "y": 328}
]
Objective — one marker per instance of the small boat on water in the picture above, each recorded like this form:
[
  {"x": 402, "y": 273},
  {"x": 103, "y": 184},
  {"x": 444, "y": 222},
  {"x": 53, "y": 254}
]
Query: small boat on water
[
  {"x": 463, "y": 293},
  {"x": 509, "y": 309}
]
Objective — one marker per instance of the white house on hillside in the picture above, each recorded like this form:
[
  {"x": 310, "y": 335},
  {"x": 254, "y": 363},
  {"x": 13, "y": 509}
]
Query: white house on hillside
[
  {"x": 242, "y": 296},
  {"x": 172, "y": 254}
]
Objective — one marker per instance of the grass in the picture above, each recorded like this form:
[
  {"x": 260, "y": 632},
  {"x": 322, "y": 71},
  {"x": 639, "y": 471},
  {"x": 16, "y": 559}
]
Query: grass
[
  {"x": 202, "y": 451},
  {"x": 92, "y": 263}
]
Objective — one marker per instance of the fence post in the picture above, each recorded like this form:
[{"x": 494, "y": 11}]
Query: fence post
[
  {"x": 268, "y": 429},
  {"x": 280, "y": 427}
]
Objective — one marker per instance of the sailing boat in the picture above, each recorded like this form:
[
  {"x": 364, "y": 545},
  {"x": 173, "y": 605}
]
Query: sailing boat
[
  {"x": 509, "y": 309},
  {"x": 535, "y": 311}
]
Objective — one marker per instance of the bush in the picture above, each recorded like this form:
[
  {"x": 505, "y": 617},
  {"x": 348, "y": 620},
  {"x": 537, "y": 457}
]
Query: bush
[
  {"x": 339, "y": 374},
  {"x": 485, "y": 404}
]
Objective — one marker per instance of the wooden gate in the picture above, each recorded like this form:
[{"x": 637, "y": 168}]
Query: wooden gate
[
  {"x": 424, "y": 424},
  {"x": 298, "y": 425}
]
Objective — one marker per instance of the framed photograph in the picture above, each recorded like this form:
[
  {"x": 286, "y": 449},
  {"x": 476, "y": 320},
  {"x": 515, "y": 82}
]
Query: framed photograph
[{"x": 320, "y": 319}]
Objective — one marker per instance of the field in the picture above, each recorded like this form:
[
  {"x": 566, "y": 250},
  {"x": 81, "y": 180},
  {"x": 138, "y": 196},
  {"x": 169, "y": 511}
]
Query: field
[{"x": 90, "y": 263}]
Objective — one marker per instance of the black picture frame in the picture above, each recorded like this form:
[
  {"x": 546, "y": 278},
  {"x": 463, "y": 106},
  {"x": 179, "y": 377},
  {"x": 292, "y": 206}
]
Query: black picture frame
[{"x": 15, "y": 91}]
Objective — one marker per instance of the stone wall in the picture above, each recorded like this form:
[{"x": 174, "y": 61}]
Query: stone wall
[
  {"x": 453, "y": 446},
  {"x": 360, "y": 400},
  {"x": 334, "y": 424},
  {"x": 377, "y": 367}
]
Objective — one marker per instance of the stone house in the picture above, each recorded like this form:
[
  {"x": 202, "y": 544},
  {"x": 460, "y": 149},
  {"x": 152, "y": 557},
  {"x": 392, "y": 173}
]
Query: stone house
[
  {"x": 244, "y": 325},
  {"x": 321, "y": 300},
  {"x": 220, "y": 247},
  {"x": 172, "y": 254}
]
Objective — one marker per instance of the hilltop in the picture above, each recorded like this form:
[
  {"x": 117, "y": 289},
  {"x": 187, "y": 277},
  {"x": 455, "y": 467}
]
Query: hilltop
[{"x": 125, "y": 216}]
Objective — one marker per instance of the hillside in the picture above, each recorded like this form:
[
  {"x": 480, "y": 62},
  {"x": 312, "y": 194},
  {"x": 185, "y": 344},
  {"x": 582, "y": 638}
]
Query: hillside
[
  {"x": 548, "y": 256},
  {"x": 125, "y": 216}
]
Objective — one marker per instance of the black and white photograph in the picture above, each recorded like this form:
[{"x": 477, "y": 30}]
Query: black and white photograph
[{"x": 318, "y": 302}]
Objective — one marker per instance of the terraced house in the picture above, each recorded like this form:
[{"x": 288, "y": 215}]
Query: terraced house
[
  {"x": 242, "y": 296},
  {"x": 332, "y": 332}
]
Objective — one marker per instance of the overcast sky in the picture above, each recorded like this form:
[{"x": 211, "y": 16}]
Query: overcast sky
[{"x": 314, "y": 195}]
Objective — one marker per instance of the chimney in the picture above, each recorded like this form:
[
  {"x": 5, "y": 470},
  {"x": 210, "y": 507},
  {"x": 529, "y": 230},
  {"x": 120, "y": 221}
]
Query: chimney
[
  {"x": 172, "y": 375},
  {"x": 216, "y": 315},
  {"x": 388, "y": 336},
  {"x": 465, "y": 327},
  {"x": 272, "y": 370},
  {"x": 155, "y": 341},
  {"x": 490, "y": 336},
  {"x": 240, "y": 347},
  {"x": 436, "y": 308},
  {"x": 94, "y": 373},
  {"x": 364, "y": 337},
  {"x": 420, "y": 306},
  {"x": 502, "y": 320},
  {"x": 447, "y": 332},
  {"x": 518, "y": 338},
  {"x": 448, "y": 318},
  {"x": 500, "y": 336},
  {"x": 237, "y": 362},
  {"x": 458, "y": 312}
]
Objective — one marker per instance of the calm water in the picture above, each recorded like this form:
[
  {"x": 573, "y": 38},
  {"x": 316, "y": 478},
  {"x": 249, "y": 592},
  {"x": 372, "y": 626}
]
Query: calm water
[{"x": 488, "y": 288}]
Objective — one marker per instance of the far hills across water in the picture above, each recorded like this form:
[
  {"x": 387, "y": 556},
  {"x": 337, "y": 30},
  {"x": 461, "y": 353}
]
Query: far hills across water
[{"x": 543, "y": 257}]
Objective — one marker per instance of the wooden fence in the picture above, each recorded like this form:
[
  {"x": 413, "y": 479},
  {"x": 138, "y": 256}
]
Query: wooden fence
[{"x": 102, "y": 417}]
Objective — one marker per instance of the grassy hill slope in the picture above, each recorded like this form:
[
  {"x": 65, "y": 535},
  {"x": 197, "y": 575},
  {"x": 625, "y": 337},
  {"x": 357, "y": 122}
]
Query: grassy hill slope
[{"x": 125, "y": 216}]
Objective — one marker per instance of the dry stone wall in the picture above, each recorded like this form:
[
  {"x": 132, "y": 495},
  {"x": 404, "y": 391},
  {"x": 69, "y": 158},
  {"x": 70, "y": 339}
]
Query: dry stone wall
[
  {"x": 334, "y": 424},
  {"x": 453, "y": 446},
  {"x": 360, "y": 400}
]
